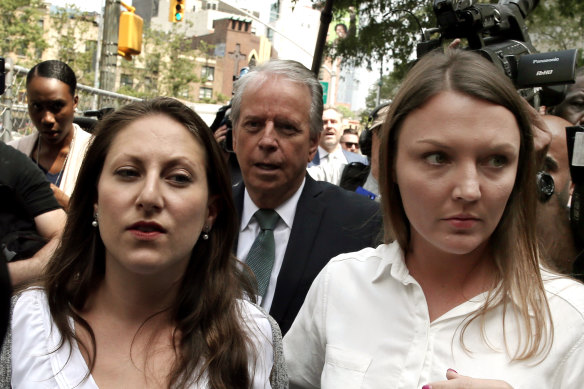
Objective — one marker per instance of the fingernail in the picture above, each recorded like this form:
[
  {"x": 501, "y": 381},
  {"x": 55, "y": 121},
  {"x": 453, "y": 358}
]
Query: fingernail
[
  {"x": 426, "y": 387},
  {"x": 453, "y": 370}
]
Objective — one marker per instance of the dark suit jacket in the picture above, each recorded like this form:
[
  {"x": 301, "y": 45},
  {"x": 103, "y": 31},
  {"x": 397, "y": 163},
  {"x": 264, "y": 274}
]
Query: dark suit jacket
[
  {"x": 328, "y": 221},
  {"x": 351, "y": 157}
]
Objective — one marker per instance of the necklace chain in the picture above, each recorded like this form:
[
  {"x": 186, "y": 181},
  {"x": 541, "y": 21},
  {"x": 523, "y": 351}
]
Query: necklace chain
[{"x": 64, "y": 162}]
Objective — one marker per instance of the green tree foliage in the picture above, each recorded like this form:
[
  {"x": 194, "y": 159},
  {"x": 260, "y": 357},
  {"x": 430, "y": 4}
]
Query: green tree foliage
[
  {"x": 389, "y": 86},
  {"x": 178, "y": 71},
  {"x": 72, "y": 26},
  {"x": 558, "y": 25},
  {"x": 346, "y": 112},
  {"x": 165, "y": 66},
  {"x": 21, "y": 27},
  {"x": 385, "y": 29},
  {"x": 388, "y": 29}
]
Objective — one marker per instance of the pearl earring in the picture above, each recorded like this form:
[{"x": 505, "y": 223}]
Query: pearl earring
[
  {"x": 205, "y": 234},
  {"x": 94, "y": 223}
]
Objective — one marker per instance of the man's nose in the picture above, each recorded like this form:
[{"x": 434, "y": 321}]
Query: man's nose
[{"x": 268, "y": 137}]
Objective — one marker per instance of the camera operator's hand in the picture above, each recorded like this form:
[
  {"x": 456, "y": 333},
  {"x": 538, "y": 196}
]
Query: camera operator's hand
[
  {"x": 221, "y": 137},
  {"x": 457, "y": 381},
  {"x": 455, "y": 44},
  {"x": 220, "y": 134}
]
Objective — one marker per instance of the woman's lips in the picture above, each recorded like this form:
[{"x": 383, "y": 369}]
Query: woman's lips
[
  {"x": 146, "y": 230},
  {"x": 462, "y": 222}
]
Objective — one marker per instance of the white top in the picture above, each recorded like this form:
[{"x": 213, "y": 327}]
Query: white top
[
  {"x": 78, "y": 148},
  {"x": 249, "y": 229},
  {"x": 336, "y": 156},
  {"x": 365, "y": 324},
  {"x": 34, "y": 338},
  {"x": 330, "y": 172}
]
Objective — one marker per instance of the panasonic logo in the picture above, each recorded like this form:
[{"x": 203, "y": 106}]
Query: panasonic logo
[
  {"x": 555, "y": 59},
  {"x": 544, "y": 72}
]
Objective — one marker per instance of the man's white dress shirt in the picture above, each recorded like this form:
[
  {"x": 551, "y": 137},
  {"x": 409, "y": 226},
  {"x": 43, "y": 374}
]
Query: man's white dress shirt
[
  {"x": 250, "y": 228},
  {"x": 336, "y": 156}
]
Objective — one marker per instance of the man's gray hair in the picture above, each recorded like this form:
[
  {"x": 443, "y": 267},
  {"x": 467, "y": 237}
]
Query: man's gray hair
[{"x": 285, "y": 70}]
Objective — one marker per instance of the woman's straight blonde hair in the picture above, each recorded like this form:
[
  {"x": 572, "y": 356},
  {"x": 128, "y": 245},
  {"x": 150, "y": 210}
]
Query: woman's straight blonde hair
[{"x": 513, "y": 243}]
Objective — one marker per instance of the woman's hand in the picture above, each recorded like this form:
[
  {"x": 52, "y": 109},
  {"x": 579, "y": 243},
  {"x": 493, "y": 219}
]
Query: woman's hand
[
  {"x": 457, "y": 381},
  {"x": 61, "y": 197}
]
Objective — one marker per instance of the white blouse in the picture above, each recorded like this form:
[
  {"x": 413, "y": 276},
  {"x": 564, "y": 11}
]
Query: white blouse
[
  {"x": 365, "y": 324},
  {"x": 36, "y": 364}
]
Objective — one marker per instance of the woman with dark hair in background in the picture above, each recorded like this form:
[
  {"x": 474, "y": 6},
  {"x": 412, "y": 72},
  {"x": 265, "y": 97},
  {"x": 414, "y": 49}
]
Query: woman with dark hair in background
[
  {"x": 461, "y": 292},
  {"x": 144, "y": 290},
  {"x": 59, "y": 145}
]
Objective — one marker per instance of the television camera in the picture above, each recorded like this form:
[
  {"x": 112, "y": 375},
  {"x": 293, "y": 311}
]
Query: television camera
[{"x": 498, "y": 32}]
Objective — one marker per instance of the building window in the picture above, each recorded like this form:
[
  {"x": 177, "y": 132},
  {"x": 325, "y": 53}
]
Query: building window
[
  {"x": 208, "y": 72},
  {"x": 126, "y": 80},
  {"x": 205, "y": 93},
  {"x": 149, "y": 83}
]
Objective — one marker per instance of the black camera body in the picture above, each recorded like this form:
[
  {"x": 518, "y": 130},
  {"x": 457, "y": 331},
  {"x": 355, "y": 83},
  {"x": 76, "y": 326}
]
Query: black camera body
[
  {"x": 575, "y": 143},
  {"x": 498, "y": 33}
]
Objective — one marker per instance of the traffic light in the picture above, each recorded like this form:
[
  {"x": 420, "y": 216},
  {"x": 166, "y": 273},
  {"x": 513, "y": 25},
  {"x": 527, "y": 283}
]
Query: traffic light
[
  {"x": 177, "y": 11},
  {"x": 130, "y": 35}
]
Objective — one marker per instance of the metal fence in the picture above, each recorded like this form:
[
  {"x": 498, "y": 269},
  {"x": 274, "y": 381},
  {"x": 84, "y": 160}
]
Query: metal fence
[{"x": 14, "y": 119}]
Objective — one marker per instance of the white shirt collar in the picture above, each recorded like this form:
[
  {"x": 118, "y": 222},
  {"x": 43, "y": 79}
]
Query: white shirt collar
[
  {"x": 337, "y": 153},
  {"x": 286, "y": 210}
]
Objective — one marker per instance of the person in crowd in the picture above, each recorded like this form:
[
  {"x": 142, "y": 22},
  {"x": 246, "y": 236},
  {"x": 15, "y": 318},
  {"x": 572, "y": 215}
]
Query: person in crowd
[
  {"x": 31, "y": 219},
  {"x": 558, "y": 243},
  {"x": 59, "y": 145},
  {"x": 350, "y": 140},
  {"x": 341, "y": 30},
  {"x": 330, "y": 150},
  {"x": 459, "y": 300},
  {"x": 356, "y": 176},
  {"x": 144, "y": 290},
  {"x": 298, "y": 223},
  {"x": 364, "y": 178},
  {"x": 572, "y": 107}
]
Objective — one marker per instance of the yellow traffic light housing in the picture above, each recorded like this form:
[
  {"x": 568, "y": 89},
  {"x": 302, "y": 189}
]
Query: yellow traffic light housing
[
  {"x": 130, "y": 33},
  {"x": 176, "y": 13}
]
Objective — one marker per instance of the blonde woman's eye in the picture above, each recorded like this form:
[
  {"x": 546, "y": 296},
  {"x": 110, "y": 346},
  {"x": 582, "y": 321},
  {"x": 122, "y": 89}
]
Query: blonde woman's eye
[
  {"x": 436, "y": 158},
  {"x": 497, "y": 161}
]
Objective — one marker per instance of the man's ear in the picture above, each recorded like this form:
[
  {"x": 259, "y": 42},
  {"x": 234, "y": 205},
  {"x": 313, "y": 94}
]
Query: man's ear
[{"x": 314, "y": 142}]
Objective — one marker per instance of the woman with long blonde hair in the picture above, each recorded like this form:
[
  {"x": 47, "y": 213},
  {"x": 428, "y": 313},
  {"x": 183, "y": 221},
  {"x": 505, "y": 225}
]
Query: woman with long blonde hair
[{"x": 459, "y": 299}]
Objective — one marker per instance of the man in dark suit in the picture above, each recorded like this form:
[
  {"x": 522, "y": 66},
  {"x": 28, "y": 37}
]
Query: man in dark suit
[{"x": 277, "y": 120}]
